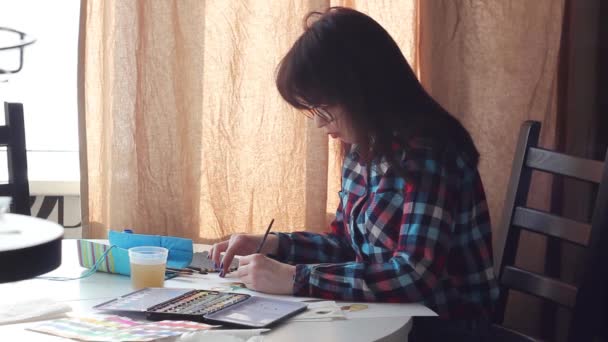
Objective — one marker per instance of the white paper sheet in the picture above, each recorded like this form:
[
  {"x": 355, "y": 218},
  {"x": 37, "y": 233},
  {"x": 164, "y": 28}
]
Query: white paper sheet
[
  {"x": 31, "y": 310},
  {"x": 212, "y": 281},
  {"x": 375, "y": 310},
  {"x": 241, "y": 335},
  {"x": 320, "y": 312}
]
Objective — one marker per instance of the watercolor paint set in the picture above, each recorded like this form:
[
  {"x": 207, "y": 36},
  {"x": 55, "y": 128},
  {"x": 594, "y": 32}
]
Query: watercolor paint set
[{"x": 212, "y": 307}]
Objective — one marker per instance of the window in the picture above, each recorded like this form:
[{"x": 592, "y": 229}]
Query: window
[{"x": 47, "y": 87}]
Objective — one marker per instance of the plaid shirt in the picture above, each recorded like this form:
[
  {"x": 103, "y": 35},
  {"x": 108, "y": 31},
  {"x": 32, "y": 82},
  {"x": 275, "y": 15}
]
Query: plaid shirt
[{"x": 425, "y": 240}]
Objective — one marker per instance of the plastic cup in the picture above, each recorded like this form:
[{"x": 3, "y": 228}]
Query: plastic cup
[{"x": 148, "y": 266}]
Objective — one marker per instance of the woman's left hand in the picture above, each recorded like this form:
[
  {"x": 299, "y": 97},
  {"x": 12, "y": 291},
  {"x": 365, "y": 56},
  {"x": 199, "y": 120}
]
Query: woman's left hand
[{"x": 263, "y": 274}]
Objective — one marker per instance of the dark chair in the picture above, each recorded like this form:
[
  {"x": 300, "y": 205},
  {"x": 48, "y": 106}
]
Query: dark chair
[
  {"x": 586, "y": 300},
  {"x": 12, "y": 135}
]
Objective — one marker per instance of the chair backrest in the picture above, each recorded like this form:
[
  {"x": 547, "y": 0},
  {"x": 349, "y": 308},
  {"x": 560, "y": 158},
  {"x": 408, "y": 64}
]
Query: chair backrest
[
  {"x": 584, "y": 301},
  {"x": 12, "y": 135}
]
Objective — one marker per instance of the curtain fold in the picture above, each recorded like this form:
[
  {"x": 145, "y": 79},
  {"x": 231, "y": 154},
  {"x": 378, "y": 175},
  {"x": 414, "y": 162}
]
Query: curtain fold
[
  {"x": 183, "y": 132},
  {"x": 493, "y": 64}
]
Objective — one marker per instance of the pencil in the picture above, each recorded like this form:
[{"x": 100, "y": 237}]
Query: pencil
[
  {"x": 264, "y": 238},
  {"x": 183, "y": 270},
  {"x": 179, "y": 273}
]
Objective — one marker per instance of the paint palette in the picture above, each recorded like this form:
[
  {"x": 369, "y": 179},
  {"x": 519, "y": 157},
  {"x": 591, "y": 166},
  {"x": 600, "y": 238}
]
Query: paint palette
[
  {"x": 195, "y": 304},
  {"x": 205, "y": 306}
]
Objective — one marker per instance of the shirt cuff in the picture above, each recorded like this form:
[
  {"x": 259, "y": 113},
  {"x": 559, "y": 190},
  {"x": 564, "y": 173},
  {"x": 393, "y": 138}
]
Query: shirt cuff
[
  {"x": 301, "y": 281},
  {"x": 284, "y": 252}
]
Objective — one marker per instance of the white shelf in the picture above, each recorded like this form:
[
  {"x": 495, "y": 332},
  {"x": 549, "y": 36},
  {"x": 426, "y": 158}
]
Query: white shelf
[{"x": 54, "y": 188}]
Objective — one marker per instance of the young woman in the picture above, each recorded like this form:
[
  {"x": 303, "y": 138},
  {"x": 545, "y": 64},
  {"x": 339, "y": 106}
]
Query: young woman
[{"x": 413, "y": 224}]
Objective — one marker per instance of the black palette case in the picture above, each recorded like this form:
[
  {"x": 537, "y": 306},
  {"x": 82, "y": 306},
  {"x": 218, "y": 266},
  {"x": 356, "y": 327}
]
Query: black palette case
[{"x": 213, "y": 307}]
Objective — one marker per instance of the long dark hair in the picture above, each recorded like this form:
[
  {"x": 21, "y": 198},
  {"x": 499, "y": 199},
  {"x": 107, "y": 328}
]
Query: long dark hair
[{"x": 346, "y": 58}]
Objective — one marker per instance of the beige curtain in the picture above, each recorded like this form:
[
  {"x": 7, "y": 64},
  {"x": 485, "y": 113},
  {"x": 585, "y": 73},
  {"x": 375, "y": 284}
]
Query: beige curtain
[
  {"x": 183, "y": 132},
  {"x": 494, "y": 65},
  {"x": 182, "y": 129}
]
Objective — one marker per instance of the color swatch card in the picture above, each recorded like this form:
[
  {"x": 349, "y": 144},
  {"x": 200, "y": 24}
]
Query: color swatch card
[{"x": 116, "y": 328}]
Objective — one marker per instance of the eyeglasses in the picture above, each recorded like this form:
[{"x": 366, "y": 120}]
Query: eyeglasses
[{"x": 321, "y": 112}]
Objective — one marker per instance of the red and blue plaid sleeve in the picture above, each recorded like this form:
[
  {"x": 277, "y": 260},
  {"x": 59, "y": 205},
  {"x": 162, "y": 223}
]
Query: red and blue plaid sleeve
[
  {"x": 306, "y": 247},
  {"x": 407, "y": 237},
  {"x": 422, "y": 214}
]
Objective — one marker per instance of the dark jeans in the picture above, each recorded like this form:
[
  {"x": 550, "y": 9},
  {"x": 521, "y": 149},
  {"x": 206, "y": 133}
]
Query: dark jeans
[{"x": 431, "y": 329}]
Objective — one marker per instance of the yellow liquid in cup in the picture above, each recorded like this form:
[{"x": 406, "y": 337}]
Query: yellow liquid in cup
[{"x": 146, "y": 275}]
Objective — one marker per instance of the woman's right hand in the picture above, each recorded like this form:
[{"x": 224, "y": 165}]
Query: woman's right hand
[{"x": 241, "y": 244}]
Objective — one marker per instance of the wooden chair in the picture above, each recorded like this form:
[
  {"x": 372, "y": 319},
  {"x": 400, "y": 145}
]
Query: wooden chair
[
  {"x": 585, "y": 300},
  {"x": 12, "y": 135}
]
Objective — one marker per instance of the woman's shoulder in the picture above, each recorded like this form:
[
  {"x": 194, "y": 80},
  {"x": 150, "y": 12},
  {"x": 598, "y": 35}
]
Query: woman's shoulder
[
  {"x": 417, "y": 151},
  {"x": 413, "y": 162},
  {"x": 418, "y": 158}
]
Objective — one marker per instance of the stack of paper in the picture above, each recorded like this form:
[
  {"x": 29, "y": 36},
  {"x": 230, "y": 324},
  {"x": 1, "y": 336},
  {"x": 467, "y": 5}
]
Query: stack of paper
[{"x": 31, "y": 310}]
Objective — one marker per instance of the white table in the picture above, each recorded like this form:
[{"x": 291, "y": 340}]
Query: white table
[{"x": 386, "y": 322}]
